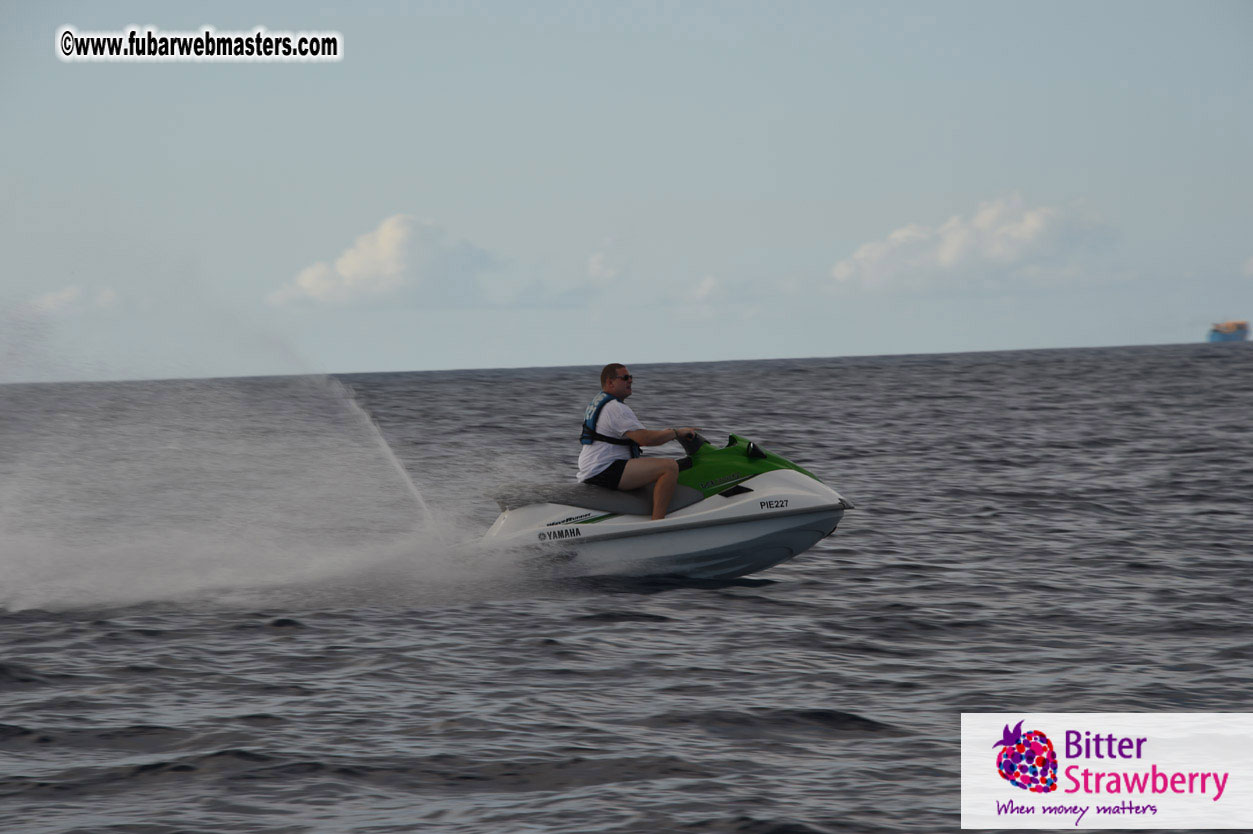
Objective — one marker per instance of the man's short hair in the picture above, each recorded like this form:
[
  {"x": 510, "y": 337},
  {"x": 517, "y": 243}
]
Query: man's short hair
[{"x": 609, "y": 372}]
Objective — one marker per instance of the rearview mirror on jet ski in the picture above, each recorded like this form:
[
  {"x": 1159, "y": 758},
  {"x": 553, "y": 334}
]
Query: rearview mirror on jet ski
[{"x": 737, "y": 510}]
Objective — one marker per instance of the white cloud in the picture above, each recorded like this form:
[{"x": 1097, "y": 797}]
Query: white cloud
[
  {"x": 1248, "y": 268},
  {"x": 706, "y": 289},
  {"x": 56, "y": 302},
  {"x": 30, "y": 348},
  {"x": 402, "y": 261},
  {"x": 1004, "y": 240},
  {"x": 608, "y": 269},
  {"x": 601, "y": 270},
  {"x": 702, "y": 300},
  {"x": 71, "y": 300}
]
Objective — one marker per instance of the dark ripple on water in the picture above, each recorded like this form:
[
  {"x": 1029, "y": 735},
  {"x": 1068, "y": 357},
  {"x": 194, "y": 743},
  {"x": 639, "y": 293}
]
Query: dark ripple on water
[{"x": 1058, "y": 530}]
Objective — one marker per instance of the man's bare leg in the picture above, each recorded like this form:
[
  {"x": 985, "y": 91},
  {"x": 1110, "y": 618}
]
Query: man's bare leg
[{"x": 664, "y": 472}]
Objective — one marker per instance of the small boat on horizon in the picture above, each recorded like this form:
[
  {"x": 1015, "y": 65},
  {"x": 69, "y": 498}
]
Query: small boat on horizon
[{"x": 1229, "y": 331}]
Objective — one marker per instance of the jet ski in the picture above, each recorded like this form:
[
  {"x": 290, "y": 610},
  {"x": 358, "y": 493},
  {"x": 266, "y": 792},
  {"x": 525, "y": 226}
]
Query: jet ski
[{"x": 736, "y": 510}]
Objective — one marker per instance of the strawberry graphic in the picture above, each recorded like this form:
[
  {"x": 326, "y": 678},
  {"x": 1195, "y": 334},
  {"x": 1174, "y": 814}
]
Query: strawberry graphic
[{"x": 1027, "y": 760}]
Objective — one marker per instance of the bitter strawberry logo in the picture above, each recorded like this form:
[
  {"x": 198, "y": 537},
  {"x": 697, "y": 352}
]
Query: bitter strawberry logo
[{"x": 1027, "y": 760}]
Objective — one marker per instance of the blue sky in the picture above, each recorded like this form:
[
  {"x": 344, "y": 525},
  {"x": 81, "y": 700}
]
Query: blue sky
[{"x": 484, "y": 185}]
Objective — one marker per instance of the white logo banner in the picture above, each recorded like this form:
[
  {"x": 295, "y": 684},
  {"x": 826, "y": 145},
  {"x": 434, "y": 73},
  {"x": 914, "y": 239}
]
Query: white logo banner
[{"x": 1107, "y": 770}]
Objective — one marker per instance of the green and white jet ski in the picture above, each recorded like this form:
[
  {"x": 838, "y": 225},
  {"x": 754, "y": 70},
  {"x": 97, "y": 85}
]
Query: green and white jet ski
[{"x": 737, "y": 510}]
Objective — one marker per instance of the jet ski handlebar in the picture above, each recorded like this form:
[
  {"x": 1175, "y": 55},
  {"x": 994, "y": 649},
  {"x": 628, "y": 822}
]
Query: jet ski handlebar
[{"x": 691, "y": 442}]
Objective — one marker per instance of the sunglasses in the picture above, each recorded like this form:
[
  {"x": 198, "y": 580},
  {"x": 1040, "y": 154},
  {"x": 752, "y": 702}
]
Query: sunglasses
[{"x": 625, "y": 377}]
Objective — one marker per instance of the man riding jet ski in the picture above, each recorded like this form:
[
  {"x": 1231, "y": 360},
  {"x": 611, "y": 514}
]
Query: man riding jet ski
[
  {"x": 612, "y": 437},
  {"x": 730, "y": 512}
]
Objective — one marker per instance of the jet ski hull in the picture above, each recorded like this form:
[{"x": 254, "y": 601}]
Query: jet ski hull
[
  {"x": 766, "y": 520},
  {"x": 723, "y": 552}
]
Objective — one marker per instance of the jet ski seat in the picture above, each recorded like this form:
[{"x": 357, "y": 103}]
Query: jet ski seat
[{"x": 589, "y": 497}]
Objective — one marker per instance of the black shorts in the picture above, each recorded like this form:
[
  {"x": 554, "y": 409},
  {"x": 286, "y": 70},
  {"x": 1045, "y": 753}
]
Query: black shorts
[{"x": 609, "y": 476}]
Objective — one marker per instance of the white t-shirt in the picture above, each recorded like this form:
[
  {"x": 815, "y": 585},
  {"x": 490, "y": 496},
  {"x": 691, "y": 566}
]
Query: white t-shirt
[{"x": 616, "y": 419}]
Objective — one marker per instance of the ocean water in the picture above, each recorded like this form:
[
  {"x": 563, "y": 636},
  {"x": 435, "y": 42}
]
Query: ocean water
[{"x": 258, "y": 605}]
